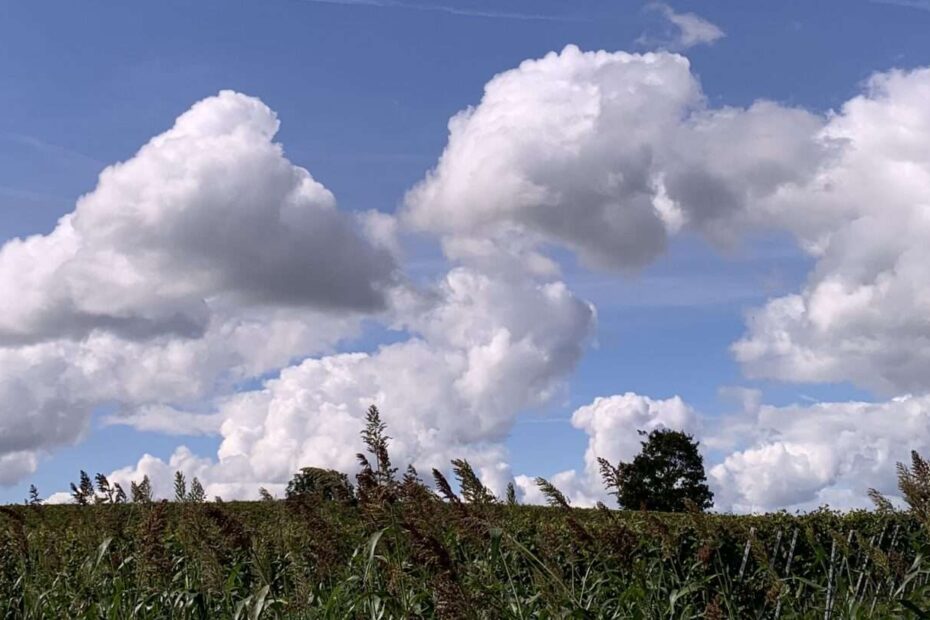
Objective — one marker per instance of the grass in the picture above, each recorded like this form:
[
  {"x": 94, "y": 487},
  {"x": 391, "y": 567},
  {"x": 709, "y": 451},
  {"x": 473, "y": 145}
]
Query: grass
[
  {"x": 395, "y": 548},
  {"x": 415, "y": 556}
]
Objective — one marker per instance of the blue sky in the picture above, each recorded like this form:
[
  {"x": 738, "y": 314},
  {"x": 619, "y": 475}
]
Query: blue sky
[{"x": 364, "y": 92}]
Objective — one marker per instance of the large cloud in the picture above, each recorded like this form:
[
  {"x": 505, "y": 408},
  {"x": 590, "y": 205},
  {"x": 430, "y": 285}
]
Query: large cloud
[
  {"x": 608, "y": 154},
  {"x": 208, "y": 261},
  {"x": 209, "y": 211},
  {"x": 805, "y": 456},
  {"x": 49, "y": 391},
  {"x": 205, "y": 260},
  {"x": 862, "y": 316},
  {"x": 453, "y": 389}
]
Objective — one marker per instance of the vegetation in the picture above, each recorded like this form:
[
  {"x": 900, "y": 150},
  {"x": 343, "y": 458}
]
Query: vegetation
[
  {"x": 392, "y": 547},
  {"x": 667, "y": 476},
  {"x": 321, "y": 484}
]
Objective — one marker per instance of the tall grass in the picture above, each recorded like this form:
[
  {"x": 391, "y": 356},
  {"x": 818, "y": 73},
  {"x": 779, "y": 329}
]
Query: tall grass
[{"x": 399, "y": 549}]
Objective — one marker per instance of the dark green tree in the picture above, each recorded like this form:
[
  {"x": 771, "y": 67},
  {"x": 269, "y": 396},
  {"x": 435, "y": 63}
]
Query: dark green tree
[
  {"x": 325, "y": 484},
  {"x": 666, "y": 476}
]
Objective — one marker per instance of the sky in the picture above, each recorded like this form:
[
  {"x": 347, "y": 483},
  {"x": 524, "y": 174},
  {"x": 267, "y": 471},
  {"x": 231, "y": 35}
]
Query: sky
[{"x": 524, "y": 229}]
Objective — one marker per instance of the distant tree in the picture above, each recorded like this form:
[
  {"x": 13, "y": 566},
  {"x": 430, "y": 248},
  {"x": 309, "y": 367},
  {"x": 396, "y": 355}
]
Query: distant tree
[
  {"x": 265, "y": 495},
  {"x": 34, "y": 499},
  {"x": 83, "y": 492},
  {"x": 196, "y": 495},
  {"x": 667, "y": 475},
  {"x": 180, "y": 487},
  {"x": 325, "y": 484},
  {"x": 119, "y": 495}
]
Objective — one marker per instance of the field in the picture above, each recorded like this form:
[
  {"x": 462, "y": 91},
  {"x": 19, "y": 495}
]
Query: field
[
  {"x": 402, "y": 551},
  {"x": 394, "y": 547}
]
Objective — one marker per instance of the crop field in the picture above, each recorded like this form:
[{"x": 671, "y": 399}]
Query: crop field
[
  {"x": 392, "y": 546},
  {"x": 403, "y": 551}
]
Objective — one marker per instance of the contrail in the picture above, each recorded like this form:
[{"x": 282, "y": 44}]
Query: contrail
[
  {"x": 923, "y": 5},
  {"x": 451, "y": 10}
]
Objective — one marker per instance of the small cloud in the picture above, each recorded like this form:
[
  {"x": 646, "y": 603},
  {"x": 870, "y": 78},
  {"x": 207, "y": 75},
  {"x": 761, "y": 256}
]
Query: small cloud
[
  {"x": 168, "y": 420},
  {"x": 59, "y": 498},
  {"x": 687, "y": 29}
]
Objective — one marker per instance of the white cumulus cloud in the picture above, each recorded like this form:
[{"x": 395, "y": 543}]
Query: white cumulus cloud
[
  {"x": 204, "y": 260},
  {"x": 608, "y": 154},
  {"x": 208, "y": 259},
  {"x": 862, "y": 315},
  {"x": 209, "y": 211},
  {"x": 805, "y": 456},
  {"x": 453, "y": 390}
]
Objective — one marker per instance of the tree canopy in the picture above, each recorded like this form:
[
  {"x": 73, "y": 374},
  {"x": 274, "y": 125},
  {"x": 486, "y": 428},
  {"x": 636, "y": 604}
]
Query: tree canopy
[
  {"x": 326, "y": 484},
  {"x": 666, "y": 476}
]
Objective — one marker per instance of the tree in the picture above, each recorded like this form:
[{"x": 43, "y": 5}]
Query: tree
[
  {"x": 325, "y": 484},
  {"x": 667, "y": 475}
]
